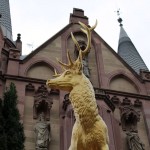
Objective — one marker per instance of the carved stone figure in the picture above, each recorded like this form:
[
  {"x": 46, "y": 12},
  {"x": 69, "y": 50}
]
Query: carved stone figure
[
  {"x": 89, "y": 131},
  {"x": 86, "y": 69},
  {"x": 129, "y": 118},
  {"x": 42, "y": 133},
  {"x": 134, "y": 141}
]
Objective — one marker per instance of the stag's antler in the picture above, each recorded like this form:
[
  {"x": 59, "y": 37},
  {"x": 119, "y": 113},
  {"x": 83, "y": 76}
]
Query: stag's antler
[
  {"x": 69, "y": 65},
  {"x": 56, "y": 74},
  {"x": 87, "y": 31}
]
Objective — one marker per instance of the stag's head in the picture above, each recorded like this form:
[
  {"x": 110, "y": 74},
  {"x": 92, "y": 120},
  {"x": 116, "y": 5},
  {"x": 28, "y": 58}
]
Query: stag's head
[{"x": 73, "y": 73}]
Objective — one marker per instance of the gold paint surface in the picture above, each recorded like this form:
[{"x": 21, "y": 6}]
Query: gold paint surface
[{"x": 89, "y": 131}]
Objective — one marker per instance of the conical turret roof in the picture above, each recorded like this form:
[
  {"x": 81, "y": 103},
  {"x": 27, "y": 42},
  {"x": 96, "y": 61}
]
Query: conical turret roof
[
  {"x": 128, "y": 52},
  {"x": 5, "y": 19}
]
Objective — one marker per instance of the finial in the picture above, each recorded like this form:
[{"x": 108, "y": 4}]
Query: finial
[
  {"x": 119, "y": 19},
  {"x": 18, "y": 37}
]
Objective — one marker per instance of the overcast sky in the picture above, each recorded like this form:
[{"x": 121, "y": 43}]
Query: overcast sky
[{"x": 38, "y": 20}]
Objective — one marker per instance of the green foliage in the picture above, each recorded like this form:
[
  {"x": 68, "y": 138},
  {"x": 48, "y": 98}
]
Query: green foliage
[
  {"x": 2, "y": 131},
  {"x": 13, "y": 127}
]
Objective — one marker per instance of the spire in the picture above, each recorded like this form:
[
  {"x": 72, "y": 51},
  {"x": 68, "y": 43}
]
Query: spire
[
  {"x": 127, "y": 50},
  {"x": 5, "y": 19}
]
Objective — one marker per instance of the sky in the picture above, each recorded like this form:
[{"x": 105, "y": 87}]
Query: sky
[{"x": 39, "y": 20}]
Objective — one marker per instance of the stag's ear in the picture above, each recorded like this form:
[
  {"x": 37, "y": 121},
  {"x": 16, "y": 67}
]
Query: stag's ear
[{"x": 78, "y": 69}]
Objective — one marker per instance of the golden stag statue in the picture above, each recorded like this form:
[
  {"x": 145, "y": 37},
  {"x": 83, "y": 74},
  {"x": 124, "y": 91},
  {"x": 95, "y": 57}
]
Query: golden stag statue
[{"x": 89, "y": 131}]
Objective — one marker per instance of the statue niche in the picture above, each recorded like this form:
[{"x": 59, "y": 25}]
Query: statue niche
[
  {"x": 86, "y": 69},
  {"x": 129, "y": 118},
  {"x": 42, "y": 103},
  {"x": 42, "y": 133}
]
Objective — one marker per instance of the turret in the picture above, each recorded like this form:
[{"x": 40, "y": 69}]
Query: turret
[{"x": 128, "y": 51}]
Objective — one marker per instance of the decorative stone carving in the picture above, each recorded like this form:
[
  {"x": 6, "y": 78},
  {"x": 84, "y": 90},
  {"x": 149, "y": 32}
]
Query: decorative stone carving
[
  {"x": 30, "y": 87},
  {"x": 14, "y": 53},
  {"x": 134, "y": 142},
  {"x": 147, "y": 76},
  {"x": 82, "y": 45},
  {"x": 100, "y": 94},
  {"x": 42, "y": 103},
  {"x": 86, "y": 69},
  {"x": 129, "y": 118},
  {"x": 137, "y": 103},
  {"x": 126, "y": 101},
  {"x": 41, "y": 89},
  {"x": 42, "y": 133},
  {"x": 115, "y": 100}
]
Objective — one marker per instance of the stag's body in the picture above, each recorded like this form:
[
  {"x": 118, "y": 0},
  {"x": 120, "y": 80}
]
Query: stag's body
[{"x": 89, "y": 131}]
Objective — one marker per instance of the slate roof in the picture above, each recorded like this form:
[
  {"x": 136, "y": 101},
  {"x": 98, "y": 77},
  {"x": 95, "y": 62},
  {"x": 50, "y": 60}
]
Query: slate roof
[
  {"x": 129, "y": 53},
  {"x": 5, "y": 18}
]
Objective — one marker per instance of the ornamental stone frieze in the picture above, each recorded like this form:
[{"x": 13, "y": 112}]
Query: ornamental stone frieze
[
  {"x": 30, "y": 87},
  {"x": 41, "y": 89},
  {"x": 137, "y": 103},
  {"x": 126, "y": 101},
  {"x": 115, "y": 100}
]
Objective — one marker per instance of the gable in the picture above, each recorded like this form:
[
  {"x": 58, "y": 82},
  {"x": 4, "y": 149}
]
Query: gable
[
  {"x": 111, "y": 62},
  {"x": 51, "y": 50},
  {"x": 52, "y": 43}
]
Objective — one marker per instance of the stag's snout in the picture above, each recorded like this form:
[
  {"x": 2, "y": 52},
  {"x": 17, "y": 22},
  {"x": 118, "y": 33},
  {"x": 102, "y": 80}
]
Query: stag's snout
[
  {"x": 53, "y": 83},
  {"x": 49, "y": 83}
]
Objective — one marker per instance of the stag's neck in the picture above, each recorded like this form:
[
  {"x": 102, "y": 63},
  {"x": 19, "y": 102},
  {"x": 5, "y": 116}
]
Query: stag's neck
[
  {"x": 83, "y": 86},
  {"x": 83, "y": 101}
]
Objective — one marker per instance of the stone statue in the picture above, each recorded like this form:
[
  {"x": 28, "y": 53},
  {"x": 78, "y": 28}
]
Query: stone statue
[
  {"x": 89, "y": 131},
  {"x": 42, "y": 133},
  {"x": 134, "y": 141},
  {"x": 86, "y": 69}
]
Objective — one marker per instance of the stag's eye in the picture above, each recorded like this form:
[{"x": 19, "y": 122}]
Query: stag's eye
[{"x": 67, "y": 73}]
